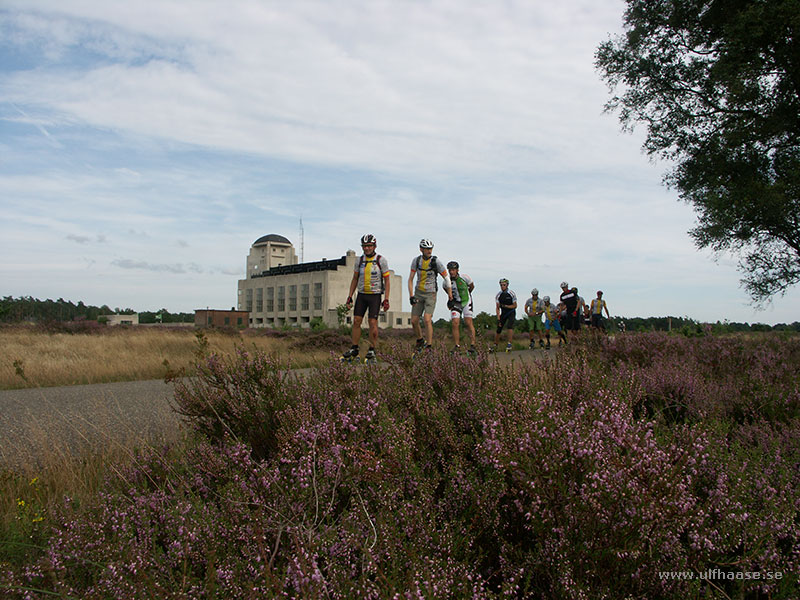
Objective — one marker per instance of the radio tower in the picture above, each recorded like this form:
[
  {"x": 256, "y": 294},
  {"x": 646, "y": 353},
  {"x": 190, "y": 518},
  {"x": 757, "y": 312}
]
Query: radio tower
[{"x": 302, "y": 242}]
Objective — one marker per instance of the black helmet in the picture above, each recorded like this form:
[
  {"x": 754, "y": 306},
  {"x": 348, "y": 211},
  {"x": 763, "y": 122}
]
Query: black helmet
[
  {"x": 368, "y": 238},
  {"x": 452, "y": 265}
]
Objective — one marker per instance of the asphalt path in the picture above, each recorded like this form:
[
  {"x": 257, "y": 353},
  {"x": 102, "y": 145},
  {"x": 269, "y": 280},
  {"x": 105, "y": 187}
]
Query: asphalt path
[{"x": 38, "y": 424}]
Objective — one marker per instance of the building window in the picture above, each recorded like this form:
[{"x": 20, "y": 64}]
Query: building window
[
  {"x": 292, "y": 298},
  {"x": 259, "y": 300},
  {"x": 227, "y": 320},
  {"x": 318, "y": 296},
  {"x": 239, "y": 321},
  {"x": 281, "y": 298},
  {"x": 249, "y": 300},
  {"x": 270, "y": 299},
  {"x": 304, "y": 296},
  {"x": 399, "y": 321}
]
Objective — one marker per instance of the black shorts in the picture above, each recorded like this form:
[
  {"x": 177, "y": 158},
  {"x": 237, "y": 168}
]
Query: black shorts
[
  {"x": 367, "y": 301},
  {"x": 507, "y": 320}
]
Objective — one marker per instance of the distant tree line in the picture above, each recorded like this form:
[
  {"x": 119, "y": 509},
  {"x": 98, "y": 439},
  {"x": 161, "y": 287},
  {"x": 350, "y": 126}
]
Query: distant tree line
[
  {"x": 685, "y": 325},
  {"x": 26, "y": 308}
]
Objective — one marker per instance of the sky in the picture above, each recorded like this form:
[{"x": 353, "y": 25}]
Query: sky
[{"x": 144, "y": 146}]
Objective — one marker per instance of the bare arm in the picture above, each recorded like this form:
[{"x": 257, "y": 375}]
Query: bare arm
[{"x": 353, "y": 286}]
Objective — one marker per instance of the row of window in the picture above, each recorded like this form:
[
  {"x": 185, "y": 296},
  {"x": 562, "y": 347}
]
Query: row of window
[
  {"x": 280, "y": 303},
  {"x": 280, "y": 321}
]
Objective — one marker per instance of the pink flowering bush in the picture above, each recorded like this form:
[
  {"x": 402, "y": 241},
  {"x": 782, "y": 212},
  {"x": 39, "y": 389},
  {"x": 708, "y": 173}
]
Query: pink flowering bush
[{"x": 591, "y": 476}]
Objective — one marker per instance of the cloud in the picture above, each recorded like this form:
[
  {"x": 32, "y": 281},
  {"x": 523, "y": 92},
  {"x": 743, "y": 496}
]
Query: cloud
[
  {"x": 80, "y": 239},
  {"x": 177, "y": 268},
  {"x": 406, "y": 88}
]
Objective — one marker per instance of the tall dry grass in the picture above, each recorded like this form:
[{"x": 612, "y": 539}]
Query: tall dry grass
[{"x": 33, "y": 357}]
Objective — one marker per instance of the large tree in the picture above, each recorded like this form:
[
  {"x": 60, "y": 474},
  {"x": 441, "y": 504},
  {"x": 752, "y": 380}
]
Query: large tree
[{"x": 717, "y": 84}]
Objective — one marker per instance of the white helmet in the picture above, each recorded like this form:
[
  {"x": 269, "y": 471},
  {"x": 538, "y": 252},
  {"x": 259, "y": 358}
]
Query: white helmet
[
  {"x": 546, "y": 299},
  {"x": 425, "y": 243},
  {"x": 564, "y": 284},
  {"x": 534, "y": 292}
]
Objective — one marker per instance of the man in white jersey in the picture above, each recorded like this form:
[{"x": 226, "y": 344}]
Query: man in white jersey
[
  {"x": 371, "y": 278},
  {"x": 534, "y": 307},
  {"x": 461, "y": 306},
  {"x": 427, "y": 268}
]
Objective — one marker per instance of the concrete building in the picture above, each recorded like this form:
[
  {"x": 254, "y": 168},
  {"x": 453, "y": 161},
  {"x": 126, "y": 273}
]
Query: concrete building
[
  {"x": 279, "y": 291},
  {"x": 121, "y": 319}
]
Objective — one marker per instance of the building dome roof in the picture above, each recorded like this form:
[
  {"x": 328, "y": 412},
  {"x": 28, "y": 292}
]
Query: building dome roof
[{"x": 272, "y": 237}]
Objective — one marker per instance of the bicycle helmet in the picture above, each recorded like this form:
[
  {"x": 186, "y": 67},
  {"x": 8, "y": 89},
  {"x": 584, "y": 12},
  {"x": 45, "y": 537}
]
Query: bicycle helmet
[
  {"x": 425, "y": 243},
  {"x": 564, "y": 284},
  {"x": 452, "y": 265},
  {"x": 534, "y": 292},
  {"x": 546, "y": 299},
  {"x": 368, "y": 238},
  {"x": 504, "y": 280}
]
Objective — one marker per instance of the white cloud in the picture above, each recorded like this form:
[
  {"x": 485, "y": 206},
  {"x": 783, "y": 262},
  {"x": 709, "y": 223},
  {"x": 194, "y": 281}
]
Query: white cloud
[{"x": 149, "y": 143}]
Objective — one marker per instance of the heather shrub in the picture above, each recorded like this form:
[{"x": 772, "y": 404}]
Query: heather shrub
[{"x": 589, "y": 476}]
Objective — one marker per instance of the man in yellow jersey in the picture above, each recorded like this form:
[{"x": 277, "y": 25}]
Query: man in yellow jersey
[
  {"x": 427, "y": 268},
  {"x": 598, "y": 305},
  {"x": 371, "y": 278}
]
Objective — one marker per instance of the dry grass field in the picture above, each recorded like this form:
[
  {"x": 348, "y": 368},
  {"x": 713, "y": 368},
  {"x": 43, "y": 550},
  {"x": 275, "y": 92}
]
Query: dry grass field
[
  {"x": 34, "y": 357},
  {"x": 38, "y": 472}
]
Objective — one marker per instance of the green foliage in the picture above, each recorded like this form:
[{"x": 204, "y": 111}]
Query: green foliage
[
  {"x": 484, "y": 320},
  {"x": 716, "y": 85},
  {"x": 26, "y": 308},
  {"x": 341, "y": 313},
  {"x": 317, "y": 324}
]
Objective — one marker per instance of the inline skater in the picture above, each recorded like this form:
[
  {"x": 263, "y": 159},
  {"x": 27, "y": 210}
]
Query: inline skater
[
  {"x": 506, "y": 308},
  {"x": 371, "y": 278},
  {"x": 426, "y": 267},
  {"x": 551, "y": 321},
  {"x": 534, "y": 307},
  {"x": 570, "y": 300},
  {"x": 461, "y": 306},
  {"x": 597, "y": 307}
]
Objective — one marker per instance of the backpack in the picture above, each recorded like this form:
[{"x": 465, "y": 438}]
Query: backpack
[
  {"x": 363, "y": 261},
  {"x": 431, "y": 267}
]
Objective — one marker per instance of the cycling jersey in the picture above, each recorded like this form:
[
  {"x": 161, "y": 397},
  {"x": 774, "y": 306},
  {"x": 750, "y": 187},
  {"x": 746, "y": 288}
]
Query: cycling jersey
[
  {"x": 504, "y": 298},
  {"x": 371, "y": 271},
  {"x": 460, "y": 287},
  {"x": 427, "y": 270},
  {"x": 597, "y": 306},
  {"x": 534, "y": 306}
]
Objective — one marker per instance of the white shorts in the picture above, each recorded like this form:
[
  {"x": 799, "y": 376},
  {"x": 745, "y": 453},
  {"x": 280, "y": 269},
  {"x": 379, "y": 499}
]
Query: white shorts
[{"x": 466, "y": 312}]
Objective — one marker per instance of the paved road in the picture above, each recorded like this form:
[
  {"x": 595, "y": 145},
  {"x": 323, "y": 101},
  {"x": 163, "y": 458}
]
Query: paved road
[
  {"x": 42, "y": 423},
  {"x": 45, "y": 423}
]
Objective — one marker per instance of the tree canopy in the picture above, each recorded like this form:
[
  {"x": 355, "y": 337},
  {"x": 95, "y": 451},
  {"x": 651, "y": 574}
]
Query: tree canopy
[{"x": 717, "y": 84}]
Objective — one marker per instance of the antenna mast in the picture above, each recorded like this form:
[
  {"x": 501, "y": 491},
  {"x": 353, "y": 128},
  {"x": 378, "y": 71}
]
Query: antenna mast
[{"x": 302, "y": 242}]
